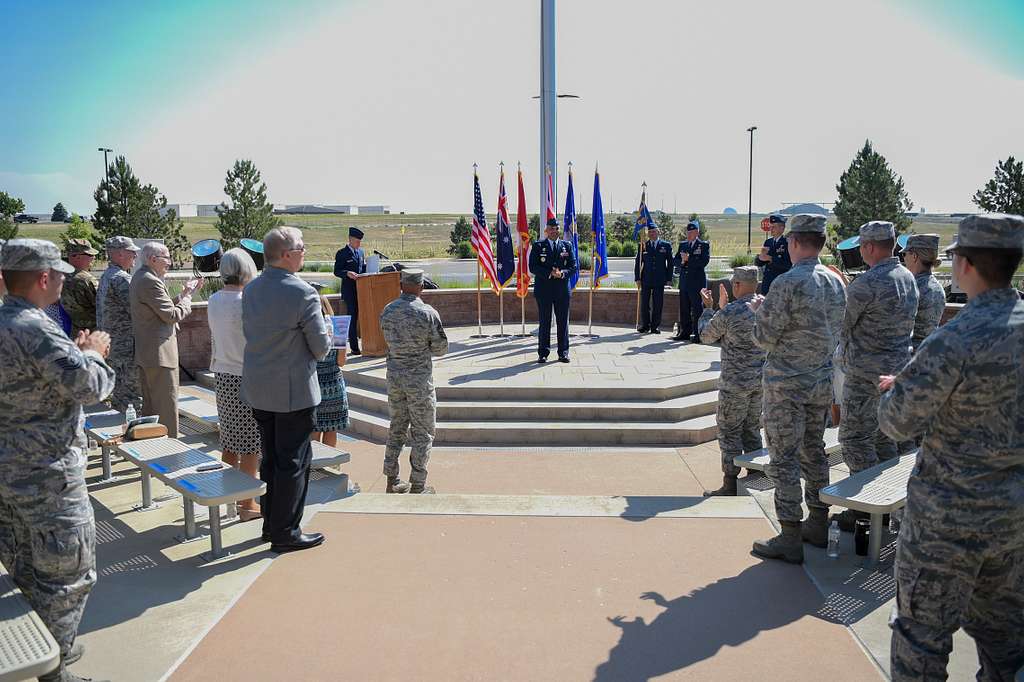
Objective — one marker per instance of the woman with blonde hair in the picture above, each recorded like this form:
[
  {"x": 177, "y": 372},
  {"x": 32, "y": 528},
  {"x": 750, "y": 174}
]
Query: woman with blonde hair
[
  {"x": 332, "y": 413},
  {"x": 239, "y": 435}
]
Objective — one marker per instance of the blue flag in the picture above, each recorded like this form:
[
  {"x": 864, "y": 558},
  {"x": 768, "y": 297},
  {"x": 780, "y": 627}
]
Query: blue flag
[
  {"x": 569, "y": 232},
  {"x": 506, "y": 256},
  {"x": 600, "y": 238},
  {"x": 644, "y": 221}
]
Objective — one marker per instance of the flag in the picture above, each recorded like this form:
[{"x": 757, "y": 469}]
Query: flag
[
  {"x": 569, "y": 231},
  {"x": 600, "y": 238},
  {"x": 644, "y": 221},
  {"x": 523, "y": 228},
  {"x": 503, "y": 233},
  {"x": 550, "y": 209},
  {"x": 480, "y": 237}
]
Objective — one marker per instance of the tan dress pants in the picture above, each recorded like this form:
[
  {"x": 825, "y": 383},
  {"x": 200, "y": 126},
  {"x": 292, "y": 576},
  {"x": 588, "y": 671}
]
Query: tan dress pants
[{"x": 160, "y": 396}]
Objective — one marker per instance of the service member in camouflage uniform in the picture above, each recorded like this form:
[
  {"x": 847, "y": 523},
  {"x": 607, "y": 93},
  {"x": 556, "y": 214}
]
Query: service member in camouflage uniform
[
  {"x": 798, "y": 325},
  {"x": 47, "y": 532},
  {"x": 414, "y": 334},
  {"x": 3, "y": 289},
  {"x": 79, "y": 295},
  {"x": 739, "y": 385},
  {"x": 920, "y": 256},
  {"x": 880, "y": 308},
  {"x": 960, "y": 561},
  {"x": 114, "y": 316}
]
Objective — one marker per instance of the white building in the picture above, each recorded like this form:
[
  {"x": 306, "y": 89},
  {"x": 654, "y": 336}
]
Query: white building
[
  {"x": 375, "y": 210},
  {"x": 192, "y": 210}
]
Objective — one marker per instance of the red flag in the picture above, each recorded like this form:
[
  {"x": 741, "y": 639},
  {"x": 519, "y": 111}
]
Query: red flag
[
  {"x": 523, "y": 228},
  {"x": 551, "y": 203}
]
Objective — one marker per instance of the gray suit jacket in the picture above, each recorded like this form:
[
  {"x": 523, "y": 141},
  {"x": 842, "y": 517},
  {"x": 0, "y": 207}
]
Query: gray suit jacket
[
  {"x": 155, "y": 318},
  {"x": 285, "y": 335}
]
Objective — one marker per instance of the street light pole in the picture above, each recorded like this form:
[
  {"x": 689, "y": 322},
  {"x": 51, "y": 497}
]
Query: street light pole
[
  {"x": 750, "y": 190},
  {"x": 106, "y": 166},
  {"x": 548, "y": 106}
]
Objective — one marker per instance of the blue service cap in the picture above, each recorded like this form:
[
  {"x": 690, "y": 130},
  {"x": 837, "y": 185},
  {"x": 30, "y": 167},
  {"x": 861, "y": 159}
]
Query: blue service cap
[
  {"x": 693, "y": 225},
  {"x": 776, "y": 219}
]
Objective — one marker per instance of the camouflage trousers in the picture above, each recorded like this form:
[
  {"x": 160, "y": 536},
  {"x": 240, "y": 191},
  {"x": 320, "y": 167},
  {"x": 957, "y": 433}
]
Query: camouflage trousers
[
  {"x": 48, "y": 544},
  {"x": 739, "y": 424},
  {"x": 795, "y": 427},
  {"x": 864, "y": 445},
  {"x": 947, "y": 578},
  {"x": 413, "y": 412},
  {"x": 126, "y": 381}
]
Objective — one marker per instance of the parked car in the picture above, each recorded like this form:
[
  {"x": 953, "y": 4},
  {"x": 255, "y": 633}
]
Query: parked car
[{"x": 23, "y": 218}]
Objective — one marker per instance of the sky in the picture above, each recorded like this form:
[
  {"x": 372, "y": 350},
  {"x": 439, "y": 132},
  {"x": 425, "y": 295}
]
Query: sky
[{"x": 393, "y": 101}]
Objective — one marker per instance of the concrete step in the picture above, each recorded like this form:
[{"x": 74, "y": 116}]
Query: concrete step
[
  {"x": 690, "y": 384},
  {"x": 672, "y": 410},
  {"x": 560, "y": 433}
]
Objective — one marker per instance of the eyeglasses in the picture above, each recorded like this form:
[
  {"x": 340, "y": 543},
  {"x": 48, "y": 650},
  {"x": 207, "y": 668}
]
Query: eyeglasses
[
  {"x": 166, "y": 258},
  {"x": 301, "y": 248}
]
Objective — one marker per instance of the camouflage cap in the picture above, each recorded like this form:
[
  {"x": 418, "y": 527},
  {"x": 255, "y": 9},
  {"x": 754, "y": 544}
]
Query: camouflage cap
[
  {"x": 31, "y": 255},
  {"x": 745, "y": 273},
  {"x": 990, "y": 231},
  {"x": 115, "y": 243},
  {"x": 807, "y": 222},
  {"x": 76, "y": 246},
  {"x": 877, "y": 231},
  {"x": 412, "y": 276},
  {"x": 923, "y": 242}
]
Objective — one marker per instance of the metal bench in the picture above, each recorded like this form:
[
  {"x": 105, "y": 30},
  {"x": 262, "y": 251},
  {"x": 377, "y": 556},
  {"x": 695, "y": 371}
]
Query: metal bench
[
  {"x": 203, "y": 414},
  {"x": 27, "y": 649},
  {"x": 175, "y": 463},
  {"x": 106, "y": 427},
  {"x": 877, "y": 491},
  {"x": 758, "y": 460}
]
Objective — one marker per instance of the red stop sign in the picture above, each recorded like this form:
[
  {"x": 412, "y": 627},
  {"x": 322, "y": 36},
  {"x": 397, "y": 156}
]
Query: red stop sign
[{"x": 766, "y": 225}]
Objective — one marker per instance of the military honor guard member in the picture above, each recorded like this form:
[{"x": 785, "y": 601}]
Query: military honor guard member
[
  {"x": 960, "y": 558},
  {"x": 774, "y": 256},
  {"x": 79, "y": 295},
  {"x": 349, "y": 263},
  {"x": 552, "y": 264},
  {"x": 690, "y": 260},
  {"x": 652, "y": 270}
]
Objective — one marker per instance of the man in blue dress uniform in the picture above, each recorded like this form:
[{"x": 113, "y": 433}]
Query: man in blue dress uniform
[
  {"x": 774, "y": 256},
  {"x": 349, "y": 263},
  {"x": 653, "y": 274},
  {"x": 691, "y": 259},
  {"x": 552, "y": 264}
]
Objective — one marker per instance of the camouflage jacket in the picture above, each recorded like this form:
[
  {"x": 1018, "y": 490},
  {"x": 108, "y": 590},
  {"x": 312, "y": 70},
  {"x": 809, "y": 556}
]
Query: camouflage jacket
[
  {"x": 114, "y": 311},
  {"x": 880, "y": 309},
  {"x": 931, "y": 304},
  {"x": 798, "y": 324},
  {"x": 44, "y": 382},
  {"x": 79, "y": 300},
  {"x": 963, "y": 392},
  {"x": 414, "y": 335},
  {"x": 732, "y": 327}
]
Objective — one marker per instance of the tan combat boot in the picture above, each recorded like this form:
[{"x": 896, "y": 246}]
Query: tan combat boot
[
  {"x": 786, "y": 546},
  {"x": 396, "y": 485},
  {"x": 421, "y": 489}
]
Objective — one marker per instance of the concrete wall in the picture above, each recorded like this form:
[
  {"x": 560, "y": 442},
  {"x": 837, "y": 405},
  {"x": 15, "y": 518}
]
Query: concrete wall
[{"x": 458, "y": 307}]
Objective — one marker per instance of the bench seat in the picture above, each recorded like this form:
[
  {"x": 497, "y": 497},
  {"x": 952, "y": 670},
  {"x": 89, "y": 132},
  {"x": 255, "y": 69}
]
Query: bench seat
[{"x": 27, "y": 649}]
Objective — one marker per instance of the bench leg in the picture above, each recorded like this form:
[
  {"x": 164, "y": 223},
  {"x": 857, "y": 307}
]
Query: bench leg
[
  {"x": 147, "y": 490},
  {"x": 190, "y": 518},
  {"x": 108, "y": 474},
  {"x": 875, "y": 538},
  {"x": 216, "y": 546}
]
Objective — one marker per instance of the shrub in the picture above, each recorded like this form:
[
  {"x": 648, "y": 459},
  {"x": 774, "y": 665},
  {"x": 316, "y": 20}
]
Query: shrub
[
  {"x": 464, "y": 250},
  {"x": 741, "y": 259},
  {"x": 586, "y": 261},
  {"x": 629, "y": 249},
  {"x": 614, "y": 249}
]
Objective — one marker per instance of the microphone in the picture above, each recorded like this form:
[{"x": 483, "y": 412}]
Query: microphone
[{"x": 378, "y": 253}]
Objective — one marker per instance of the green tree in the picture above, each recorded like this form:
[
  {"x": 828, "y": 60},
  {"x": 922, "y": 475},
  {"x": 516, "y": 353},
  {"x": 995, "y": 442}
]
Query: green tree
[
  {"x": 1004, "y": 193},
  {"x": 9, "y": 207},
  {"x": 126, "y": 207},
  {"x": 461, "y": 232},
  {"x": 583, "y": 225},
  {"x": 869, "y": 190},
  {"x": 666, "y": 227},
  {"x": 534, "y": 226},
  {"x": 79, "y": 229},
  {"x": 250, "y": 215},
  {"x": 622, "y": 228},
  {"x": 60, "y": 214}
]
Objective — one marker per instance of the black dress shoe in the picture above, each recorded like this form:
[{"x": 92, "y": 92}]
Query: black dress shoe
[
  {"x": 299, "y": 542},
  {"x": 642, "y": 330},
  {"x": 355, "y": 352},
  {"x": 677, "y": 337},
  {"x": 655, "y": 331},
  {"x": 542, "y": 359},
  {"x": 564, "y": 358},
  {"x": 265, "y": 537}
]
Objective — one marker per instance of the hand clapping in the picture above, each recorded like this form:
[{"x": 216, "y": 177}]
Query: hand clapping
[
  {"x": 756, "y": 302},
  {"x": 95, "y": 341},
  {"x": 723, "y": 296}
]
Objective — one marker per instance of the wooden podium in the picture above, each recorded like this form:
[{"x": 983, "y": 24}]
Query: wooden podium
[{"x": 374, "y": 292}]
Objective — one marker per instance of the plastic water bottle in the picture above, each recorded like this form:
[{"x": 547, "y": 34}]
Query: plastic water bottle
[
  {"x": 833, "y": 541},
  {"x": 129, "y": 414}
]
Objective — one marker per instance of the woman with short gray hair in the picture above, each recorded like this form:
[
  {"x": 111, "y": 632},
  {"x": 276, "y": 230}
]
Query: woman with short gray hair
[{"x": 239, "y": 435}]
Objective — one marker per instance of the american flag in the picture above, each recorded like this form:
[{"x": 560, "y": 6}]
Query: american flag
[
  {"x": 503, "y": 233},
  {"x": 481, "y": 237},
  {"x": 523, "y": 228}
]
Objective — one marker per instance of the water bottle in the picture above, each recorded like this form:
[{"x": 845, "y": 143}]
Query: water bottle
[
  {"x": 129, "y": 415},
  {"x": 833, "y": 541},
  {"x": 894, "y": 521}
]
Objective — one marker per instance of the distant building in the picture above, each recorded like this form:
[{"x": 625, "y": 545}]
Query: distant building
[
  {"x": 793, "y": 209},
  {"x": 374, "y": 210},
  {"x": 313, "y": 209},
  {"x": 729, "y": 211},
  {"x": 191, "y": 210}
]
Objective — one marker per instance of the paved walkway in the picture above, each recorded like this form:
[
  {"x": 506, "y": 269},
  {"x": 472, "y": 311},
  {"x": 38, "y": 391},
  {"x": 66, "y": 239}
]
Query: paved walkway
[{"x": 616, "y": 356}]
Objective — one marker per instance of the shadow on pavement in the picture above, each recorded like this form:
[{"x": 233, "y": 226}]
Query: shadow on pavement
[{"x": 643, "y": 507}]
